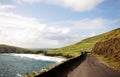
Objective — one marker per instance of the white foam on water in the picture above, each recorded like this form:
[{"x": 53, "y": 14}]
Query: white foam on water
[
  {"x": 19, "y": 75},
  {"x": 39, "y": 57}
]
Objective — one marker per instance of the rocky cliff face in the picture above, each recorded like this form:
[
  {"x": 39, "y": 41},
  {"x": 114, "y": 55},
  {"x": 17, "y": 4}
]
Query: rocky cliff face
[{"x": 109, "y": 49}]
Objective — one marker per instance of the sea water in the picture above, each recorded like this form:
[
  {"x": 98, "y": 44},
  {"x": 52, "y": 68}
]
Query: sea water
[{"x": 16, "y": 65}]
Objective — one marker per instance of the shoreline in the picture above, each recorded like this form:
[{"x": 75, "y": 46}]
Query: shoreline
[{"x": 38, "y": 57}]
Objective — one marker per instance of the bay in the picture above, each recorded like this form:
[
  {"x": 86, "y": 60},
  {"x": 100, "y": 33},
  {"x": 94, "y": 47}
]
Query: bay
[{"x": 13, "y": 65}]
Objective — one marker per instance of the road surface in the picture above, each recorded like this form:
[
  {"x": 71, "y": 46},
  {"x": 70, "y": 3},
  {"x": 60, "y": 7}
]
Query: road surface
[{"x": 93, "y": 67}]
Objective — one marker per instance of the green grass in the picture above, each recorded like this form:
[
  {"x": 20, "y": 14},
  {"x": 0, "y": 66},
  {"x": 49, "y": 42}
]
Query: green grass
[
  {"x": 114, "y": 64},
  {"x": 75, "y": 49},
  {"x": 13, "y": 49}
]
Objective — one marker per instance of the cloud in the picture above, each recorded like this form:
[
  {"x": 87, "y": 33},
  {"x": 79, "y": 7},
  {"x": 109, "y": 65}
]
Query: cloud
[
  {"x": 91, "y": 24},
  {"x": 4, "y": 7},
  {"x": 88, "y": 24},
  {"x": 92, "y": 34},
  {"x": 28, "y": 32},
  {"x": 80, "y": 29},
  {"x": 75, "y": 5},
  {"x": 27, "y": 1},
  {"x": 65, "y": 37}
]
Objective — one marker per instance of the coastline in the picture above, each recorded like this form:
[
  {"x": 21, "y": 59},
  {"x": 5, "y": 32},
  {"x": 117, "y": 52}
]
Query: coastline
[{"x": 38, "y": 57}]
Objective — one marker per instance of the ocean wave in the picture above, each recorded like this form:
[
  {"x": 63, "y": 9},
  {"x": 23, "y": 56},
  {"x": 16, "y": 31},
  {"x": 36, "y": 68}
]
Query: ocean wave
[
  {"x": 19, "y": 75},
  {"x": 39, "y": 57}
]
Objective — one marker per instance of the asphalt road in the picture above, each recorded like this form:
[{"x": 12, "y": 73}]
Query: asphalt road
[{"x": 93, "y": 67}]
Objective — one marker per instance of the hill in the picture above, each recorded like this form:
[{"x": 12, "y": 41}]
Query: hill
[
  {"x": 86, "y": 44},
  {"x": 13, "y": 49}
]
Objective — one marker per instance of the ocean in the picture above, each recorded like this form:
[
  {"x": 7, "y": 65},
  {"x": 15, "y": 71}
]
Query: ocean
[{"x": 16, "y": 65}]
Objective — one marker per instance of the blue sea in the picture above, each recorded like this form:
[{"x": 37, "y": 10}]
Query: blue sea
[{"x": 16, "y": 66}]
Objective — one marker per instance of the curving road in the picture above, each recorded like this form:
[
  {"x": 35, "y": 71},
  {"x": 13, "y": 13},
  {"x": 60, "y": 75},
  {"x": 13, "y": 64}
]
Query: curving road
[{"x": 93, "y": 67}]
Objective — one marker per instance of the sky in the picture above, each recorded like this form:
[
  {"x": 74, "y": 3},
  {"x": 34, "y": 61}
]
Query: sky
[{"x": 55, "y": 23}]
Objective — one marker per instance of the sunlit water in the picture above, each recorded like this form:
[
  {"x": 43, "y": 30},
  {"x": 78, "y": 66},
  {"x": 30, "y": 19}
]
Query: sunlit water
[{"x": 16, "y": 66}]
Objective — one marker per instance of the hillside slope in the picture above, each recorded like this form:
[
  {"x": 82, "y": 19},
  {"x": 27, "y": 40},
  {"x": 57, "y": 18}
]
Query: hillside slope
[
  {"x": 13, "y": 49},
  {"x": 109, "y": 48},
  {"x": 86, "y": 44}
]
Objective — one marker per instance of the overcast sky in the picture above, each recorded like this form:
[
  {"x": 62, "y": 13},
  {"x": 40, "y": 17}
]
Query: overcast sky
[{"x": 55, "y": 23}]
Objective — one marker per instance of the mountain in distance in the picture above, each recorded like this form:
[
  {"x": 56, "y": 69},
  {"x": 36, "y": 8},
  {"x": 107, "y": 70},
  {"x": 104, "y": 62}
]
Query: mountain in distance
[
  {"x": 13, "y": 49},
  {"x": 37, "y": 49}
]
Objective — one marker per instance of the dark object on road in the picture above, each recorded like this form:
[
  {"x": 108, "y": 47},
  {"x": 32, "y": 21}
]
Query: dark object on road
[{"x": 84, "y": 53}]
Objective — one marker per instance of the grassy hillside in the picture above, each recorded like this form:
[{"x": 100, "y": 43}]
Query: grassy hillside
[
  {"x": 13, "y": 49},
  {"x": 86, "y": 44},
  {"x": 109, "y": 48}
]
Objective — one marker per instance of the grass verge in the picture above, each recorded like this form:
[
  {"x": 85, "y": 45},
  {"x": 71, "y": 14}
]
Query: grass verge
[{"x": 113, "y": 64}]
